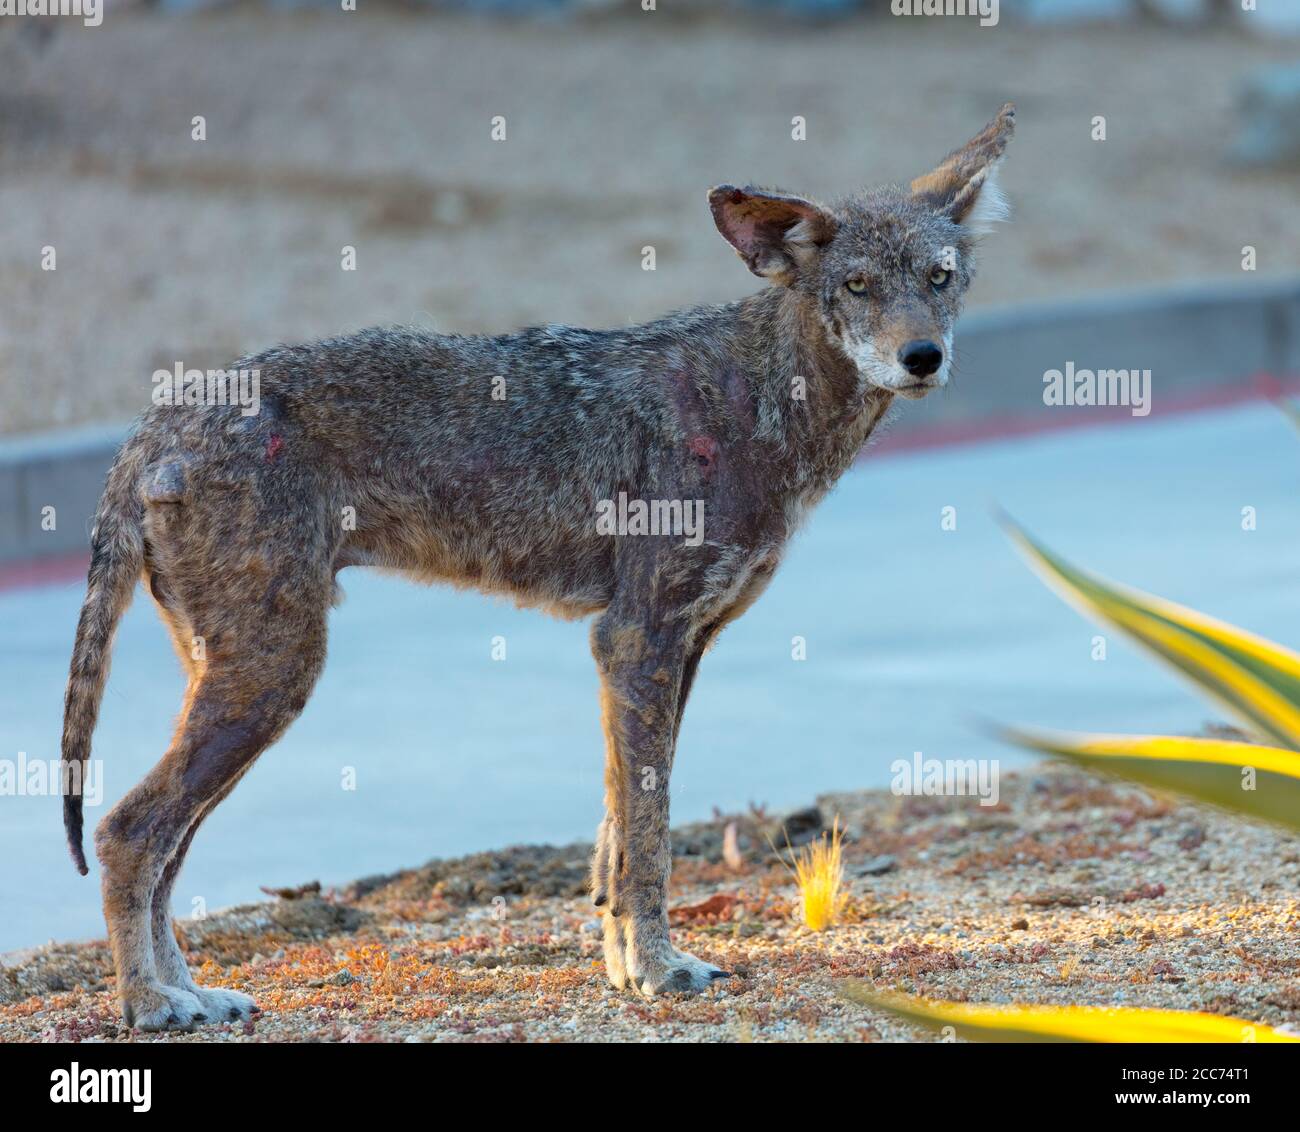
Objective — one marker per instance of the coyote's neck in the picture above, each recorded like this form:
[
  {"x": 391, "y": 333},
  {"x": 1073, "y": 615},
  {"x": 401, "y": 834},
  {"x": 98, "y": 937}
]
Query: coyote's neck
[{"x": 817, "y": 411}]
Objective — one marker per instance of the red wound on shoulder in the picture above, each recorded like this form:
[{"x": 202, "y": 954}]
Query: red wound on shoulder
[
  {"x": 705, "y": 449},
  {"x": 273, "y": 447}
]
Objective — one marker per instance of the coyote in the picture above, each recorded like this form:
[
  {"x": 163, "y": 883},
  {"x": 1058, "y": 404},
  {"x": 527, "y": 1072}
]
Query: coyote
[{"x": 754, "y": 408}]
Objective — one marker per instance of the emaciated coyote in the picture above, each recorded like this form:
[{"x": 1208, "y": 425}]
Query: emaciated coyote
[{"x": 756, "y": 408}]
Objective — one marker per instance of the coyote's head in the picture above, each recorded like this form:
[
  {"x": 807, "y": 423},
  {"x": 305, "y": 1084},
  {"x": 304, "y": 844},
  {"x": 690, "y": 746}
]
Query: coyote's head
[{"x": 885, "y": 270}]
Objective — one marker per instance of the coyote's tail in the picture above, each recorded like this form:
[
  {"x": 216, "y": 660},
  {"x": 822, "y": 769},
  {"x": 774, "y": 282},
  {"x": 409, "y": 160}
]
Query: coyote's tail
[{"x": 116, "y": 559}]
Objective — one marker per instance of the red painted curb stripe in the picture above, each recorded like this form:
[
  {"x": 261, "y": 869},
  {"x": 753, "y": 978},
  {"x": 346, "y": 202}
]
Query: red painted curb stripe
[
  {"x": 1261, "y": 387},
  {"x": 57, "y": 570}
]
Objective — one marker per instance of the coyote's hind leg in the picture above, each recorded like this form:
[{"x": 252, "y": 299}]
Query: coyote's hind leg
[
  {"x": 263, "y": 653},
  {"x": 226, "y": 727},
  {"x": 217, "y": 1005}
]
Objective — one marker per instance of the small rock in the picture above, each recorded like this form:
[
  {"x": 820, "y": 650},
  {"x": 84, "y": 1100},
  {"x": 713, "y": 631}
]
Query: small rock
[
  {"x": 731, "y": 853},
  {"x": 803, "y": 826},
  {"x": 878, "y": 866},
  {"x": 1192, "y": 838},
  {"x": 1020, "y": 925}
]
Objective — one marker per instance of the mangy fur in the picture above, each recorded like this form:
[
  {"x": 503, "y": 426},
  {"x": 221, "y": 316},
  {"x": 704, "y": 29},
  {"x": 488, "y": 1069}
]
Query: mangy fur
[{"x": 235, "y": 524}]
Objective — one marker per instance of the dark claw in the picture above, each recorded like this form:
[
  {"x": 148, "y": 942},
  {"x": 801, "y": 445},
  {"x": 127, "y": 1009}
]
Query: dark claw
[
  {"x": 719, "y": 974},
  {"x": 200, "y": 1017},
  {"x": 234, "y": 1014},
  {"x": 599, "y": 900}
]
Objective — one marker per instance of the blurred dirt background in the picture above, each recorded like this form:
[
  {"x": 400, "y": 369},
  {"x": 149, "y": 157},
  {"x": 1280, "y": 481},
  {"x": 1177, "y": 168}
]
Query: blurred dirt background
[{"x": 372, "y": 129}]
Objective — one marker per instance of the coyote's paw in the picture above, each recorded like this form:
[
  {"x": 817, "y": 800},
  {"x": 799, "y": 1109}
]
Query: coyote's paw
[
  {"x": 221, "y": 1005},
  {"x": 669, "y": 971},
  {"x": 156, "y": 1007}
]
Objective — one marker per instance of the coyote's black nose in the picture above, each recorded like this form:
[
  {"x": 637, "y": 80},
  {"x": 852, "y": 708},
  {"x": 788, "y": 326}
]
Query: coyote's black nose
[{"x": 920, "y": 357}]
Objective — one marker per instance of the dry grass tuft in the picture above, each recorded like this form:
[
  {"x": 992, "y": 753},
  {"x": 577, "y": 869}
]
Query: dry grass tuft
[{"x": 819, "y": 873}]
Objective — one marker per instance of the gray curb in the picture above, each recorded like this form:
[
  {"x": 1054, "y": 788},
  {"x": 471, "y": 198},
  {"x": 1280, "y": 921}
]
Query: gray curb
[
  {"x": 1193, "y": 339},
  {"x": 64, "y": 470}
]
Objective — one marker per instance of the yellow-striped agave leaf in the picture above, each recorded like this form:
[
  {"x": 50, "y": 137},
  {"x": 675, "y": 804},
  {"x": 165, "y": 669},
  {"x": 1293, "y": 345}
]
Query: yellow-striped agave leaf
[
  {"x": 1263, "y": 782},
  {"x": 1290, "y": 409},
  {"x": 980, "y": 1023},
  {"x": 1255, "y": 679}
]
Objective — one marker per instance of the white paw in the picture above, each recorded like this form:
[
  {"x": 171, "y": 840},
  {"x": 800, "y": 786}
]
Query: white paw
[
  {"x": 675, "y": 972},
  {"x": 159, "y": 1007},
  {"x": 221, "y": 1005}
]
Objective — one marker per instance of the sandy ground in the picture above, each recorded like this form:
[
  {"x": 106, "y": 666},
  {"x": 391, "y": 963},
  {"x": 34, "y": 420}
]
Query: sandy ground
[
  {"x": 1070, "y": 890},
  {"x": 372, "y": 131}
]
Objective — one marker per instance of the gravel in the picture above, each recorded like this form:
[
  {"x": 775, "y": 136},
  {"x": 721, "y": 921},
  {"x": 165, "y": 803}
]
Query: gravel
[{"x": 1070, "y": 890}]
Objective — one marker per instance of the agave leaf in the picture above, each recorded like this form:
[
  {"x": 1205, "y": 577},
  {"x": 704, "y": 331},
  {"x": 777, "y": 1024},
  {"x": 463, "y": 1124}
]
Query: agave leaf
[
  {"x": 1254, "y": 678},
  {"x": 1263, "y": 782},
  {"x": 1064, "y": 1023},
  {"x": 1290, "y": 409}
]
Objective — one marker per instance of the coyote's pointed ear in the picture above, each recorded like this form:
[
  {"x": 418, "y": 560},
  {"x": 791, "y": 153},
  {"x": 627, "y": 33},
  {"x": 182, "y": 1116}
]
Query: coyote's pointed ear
[
  {"x": 964, "y": 186},
  {"x": 774, "y": 234}
]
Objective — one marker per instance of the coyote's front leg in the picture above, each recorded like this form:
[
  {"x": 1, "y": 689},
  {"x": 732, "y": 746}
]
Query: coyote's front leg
[{"x": 641, "y": 660}]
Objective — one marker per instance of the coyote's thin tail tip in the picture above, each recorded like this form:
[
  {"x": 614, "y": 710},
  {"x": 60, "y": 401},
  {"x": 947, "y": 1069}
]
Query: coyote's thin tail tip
[{"x": 72, "y": 823}]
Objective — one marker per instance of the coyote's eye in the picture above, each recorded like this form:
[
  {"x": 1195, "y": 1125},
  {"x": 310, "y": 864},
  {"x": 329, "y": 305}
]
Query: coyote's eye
[
  {"x": 857, "y": 286},
  {"x": 939, "y": 277}
]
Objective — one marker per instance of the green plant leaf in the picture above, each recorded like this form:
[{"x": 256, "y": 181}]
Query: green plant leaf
[
  {"x": 1261, "y": 782},
  {"x": 1255, "y": 679}
]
